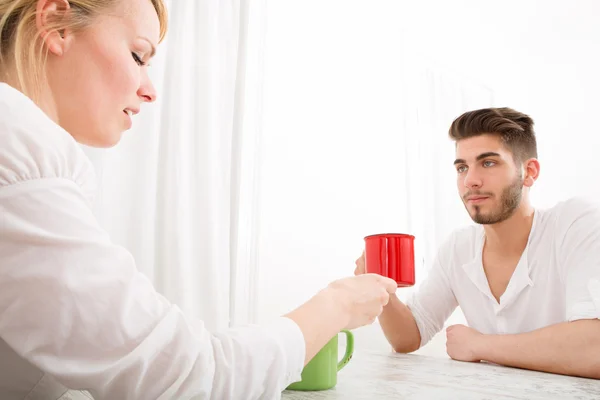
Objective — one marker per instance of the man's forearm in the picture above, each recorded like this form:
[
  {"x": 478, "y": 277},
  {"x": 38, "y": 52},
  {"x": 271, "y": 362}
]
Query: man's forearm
[
  {"x": 569, "y": 348},
  {"x": 399, "y": 326}
]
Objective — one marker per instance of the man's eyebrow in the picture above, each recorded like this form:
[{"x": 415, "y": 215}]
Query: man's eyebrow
[
  {"x": 479, "y": 157},
  {"x": 487, "y": 154}
]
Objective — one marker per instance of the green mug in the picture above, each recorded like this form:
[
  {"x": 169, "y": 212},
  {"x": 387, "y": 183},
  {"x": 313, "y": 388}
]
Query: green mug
[{"x": 321, "y": 372}]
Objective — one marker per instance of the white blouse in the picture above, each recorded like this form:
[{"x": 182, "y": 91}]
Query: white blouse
[{"x": 74, "y": 311}]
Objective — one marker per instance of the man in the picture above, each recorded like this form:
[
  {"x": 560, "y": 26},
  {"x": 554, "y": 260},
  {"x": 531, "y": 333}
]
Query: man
[{"x": 527, "y": 280}]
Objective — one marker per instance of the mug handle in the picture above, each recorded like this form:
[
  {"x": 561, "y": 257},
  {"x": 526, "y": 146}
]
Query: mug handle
[{"x": 349, "y": 349}]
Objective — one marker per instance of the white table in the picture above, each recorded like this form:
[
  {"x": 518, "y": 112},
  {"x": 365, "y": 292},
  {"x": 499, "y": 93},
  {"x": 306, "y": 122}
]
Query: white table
[{"x": 371, "y": 375}]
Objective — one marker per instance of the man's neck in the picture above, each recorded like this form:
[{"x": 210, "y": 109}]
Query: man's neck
[{"x": 511, "y": 236}]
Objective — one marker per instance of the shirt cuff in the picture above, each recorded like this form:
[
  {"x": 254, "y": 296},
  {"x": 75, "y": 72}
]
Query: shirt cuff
[
  {"x": 291, "y": 340},
  {"x": 587, "y": 309},
  {"x": 421, "y": 320}
]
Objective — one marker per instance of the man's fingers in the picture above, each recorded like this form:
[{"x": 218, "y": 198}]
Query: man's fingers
[
  {"x": 390, "y": 285},
  {"x": 384, "y": 297}
]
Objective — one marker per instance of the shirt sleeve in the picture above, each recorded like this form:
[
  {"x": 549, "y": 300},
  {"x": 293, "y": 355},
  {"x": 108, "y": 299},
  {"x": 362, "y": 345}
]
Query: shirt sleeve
[
  {"x": 579, "y": 255},
  {"x": 73, "y": 304},
  {"x": 434, "y": 300}
]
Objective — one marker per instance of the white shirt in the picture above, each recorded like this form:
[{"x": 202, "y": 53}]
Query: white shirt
[
  {"x": 557, "y": 278},
  {"x": 74, "y": 311}
]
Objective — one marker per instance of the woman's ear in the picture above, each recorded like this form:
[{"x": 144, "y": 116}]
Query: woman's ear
[
  {"x": 49, "y": 17},
  {"x": 532, "y": 172}
]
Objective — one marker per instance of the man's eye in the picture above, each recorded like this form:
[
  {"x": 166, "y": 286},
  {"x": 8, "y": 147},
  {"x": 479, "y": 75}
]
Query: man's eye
[
  {"x": 488, "y": 163},
  {"x": 461, "y": 169}
]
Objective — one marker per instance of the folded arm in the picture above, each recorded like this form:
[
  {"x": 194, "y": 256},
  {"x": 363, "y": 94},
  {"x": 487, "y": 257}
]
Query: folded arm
[{"x": 569, "y": 348}]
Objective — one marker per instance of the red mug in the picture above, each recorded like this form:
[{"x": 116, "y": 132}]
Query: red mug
[{"x": 391, "y": 255}]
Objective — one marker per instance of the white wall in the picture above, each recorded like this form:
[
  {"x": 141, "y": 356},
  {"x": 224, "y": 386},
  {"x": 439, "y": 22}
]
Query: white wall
[
  {"x": 540, "y": 57},
  {"x": 333, "y": 112},
  {"x": 326, "y": 134}
]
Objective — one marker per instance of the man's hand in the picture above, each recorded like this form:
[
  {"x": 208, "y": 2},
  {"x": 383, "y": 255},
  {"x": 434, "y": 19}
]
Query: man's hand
[
  {"x": 360, "y": 265},
  {"x": 462, "y": 343}
]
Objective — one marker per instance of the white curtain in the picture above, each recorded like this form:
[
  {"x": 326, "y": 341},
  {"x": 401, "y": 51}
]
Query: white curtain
[
  {"x": 171, "y": 190},
  {"x": 181, "y": 190},
  {"x": 434, "y": 97}
]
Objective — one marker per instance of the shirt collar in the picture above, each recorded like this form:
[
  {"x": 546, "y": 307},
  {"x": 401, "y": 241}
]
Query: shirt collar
[{"x": 519, "y": 280}]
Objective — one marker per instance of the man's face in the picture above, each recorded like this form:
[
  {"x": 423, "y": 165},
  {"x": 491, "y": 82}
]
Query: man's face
[{"x": 489, "y": 183}]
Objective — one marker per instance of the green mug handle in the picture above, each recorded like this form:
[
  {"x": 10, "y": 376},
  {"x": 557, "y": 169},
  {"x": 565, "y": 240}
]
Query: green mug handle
[{"x": 349, "y": 349}]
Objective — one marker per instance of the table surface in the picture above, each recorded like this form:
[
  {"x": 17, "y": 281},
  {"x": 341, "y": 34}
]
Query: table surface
[{"x": 372, "y": 375}]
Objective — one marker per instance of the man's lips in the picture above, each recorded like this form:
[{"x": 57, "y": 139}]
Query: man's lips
[{"x": 477, "y": 199}]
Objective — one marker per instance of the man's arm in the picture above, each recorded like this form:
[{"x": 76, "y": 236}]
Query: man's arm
[
  {"x": 408, "y": 327},
  {"x": 399, "y": 326},
  {"x": 568, "y": 348}
]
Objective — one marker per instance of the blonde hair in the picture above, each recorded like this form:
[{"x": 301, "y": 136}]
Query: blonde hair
[{"x": 22, "y": 45}]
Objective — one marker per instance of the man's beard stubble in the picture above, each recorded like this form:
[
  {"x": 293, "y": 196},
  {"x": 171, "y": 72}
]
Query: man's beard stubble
[{"x": 509, "y": 201}]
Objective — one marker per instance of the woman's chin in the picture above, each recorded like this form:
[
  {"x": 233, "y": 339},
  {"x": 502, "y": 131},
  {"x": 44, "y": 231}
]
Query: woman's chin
[{"x": 101, "y": 140}]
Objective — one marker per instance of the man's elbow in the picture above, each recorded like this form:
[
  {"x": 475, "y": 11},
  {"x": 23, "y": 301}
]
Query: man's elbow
[
  {"x": 404, "y": 339},
  {"x": 405, "y": 349},
  {"x": 407, "y": 346}
]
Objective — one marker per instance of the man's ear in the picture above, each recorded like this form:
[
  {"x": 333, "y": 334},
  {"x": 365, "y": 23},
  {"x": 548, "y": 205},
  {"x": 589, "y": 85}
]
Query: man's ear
[
  {"x": 532, "y": 172},
  {"x": 49, "y": 17}
]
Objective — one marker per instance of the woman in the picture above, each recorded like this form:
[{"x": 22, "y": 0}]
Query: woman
[{"x": 74, "y": 311}]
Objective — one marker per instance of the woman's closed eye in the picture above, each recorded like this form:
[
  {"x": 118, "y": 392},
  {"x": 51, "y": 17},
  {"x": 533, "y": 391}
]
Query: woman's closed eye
[{"x": 138, "y": 60}]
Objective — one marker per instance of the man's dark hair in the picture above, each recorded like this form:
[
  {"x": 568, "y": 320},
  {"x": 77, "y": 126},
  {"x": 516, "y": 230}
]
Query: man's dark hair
[{"x": 514, "y": 128}]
